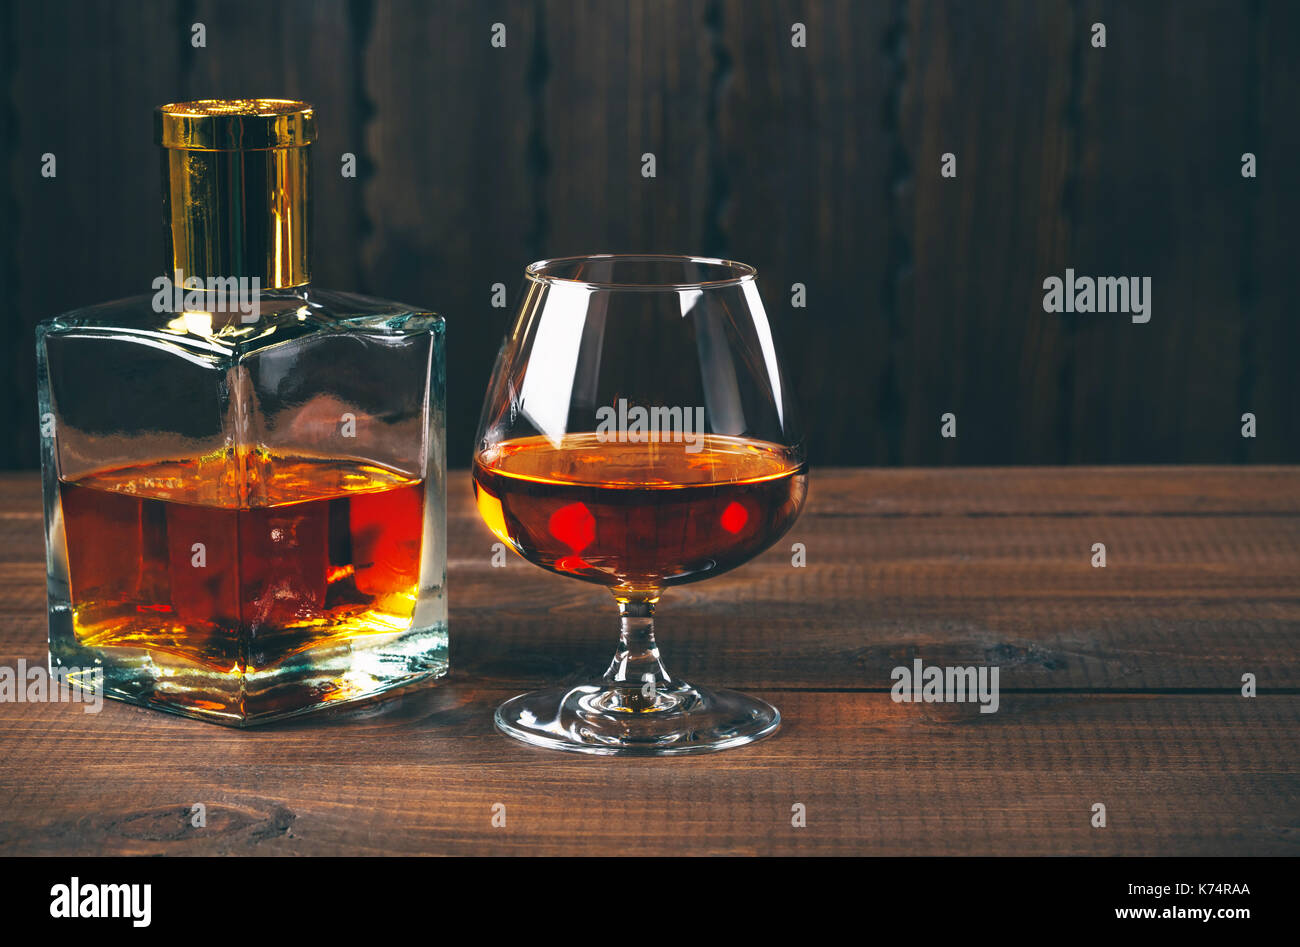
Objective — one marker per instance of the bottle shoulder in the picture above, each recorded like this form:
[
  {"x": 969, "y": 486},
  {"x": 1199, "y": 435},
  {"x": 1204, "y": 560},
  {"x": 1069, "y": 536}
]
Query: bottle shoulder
[{"x": 231, "y": 326}]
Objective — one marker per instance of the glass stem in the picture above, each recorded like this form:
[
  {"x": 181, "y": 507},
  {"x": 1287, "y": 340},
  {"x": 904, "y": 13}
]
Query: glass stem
[{"x": 636, "y": 669}]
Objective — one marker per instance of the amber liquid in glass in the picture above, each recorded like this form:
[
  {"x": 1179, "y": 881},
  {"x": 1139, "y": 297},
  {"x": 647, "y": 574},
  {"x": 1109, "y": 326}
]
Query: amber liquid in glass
[
  {"x": 638, "y": 516},
  {"x": 240, "y": 567}
]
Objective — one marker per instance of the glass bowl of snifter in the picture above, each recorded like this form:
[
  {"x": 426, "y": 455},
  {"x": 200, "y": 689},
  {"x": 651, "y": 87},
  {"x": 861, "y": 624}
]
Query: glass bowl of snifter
[{"x": 638, "y": 433}]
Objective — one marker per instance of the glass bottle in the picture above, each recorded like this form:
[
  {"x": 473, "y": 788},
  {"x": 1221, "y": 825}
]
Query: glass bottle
[{"x": 244, "y": 475}]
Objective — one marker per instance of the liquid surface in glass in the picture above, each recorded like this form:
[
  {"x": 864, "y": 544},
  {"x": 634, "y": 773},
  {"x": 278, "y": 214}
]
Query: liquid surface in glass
[{"x": 638, "y": 515}]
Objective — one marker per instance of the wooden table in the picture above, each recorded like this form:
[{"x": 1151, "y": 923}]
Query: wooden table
[{"x": 1119, "y": 685}]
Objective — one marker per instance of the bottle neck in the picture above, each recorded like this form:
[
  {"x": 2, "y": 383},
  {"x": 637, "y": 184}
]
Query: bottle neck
[{"x": 239, "y": 213}]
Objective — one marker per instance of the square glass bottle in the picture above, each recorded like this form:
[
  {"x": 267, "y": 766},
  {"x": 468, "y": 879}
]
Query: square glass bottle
[{"x": 244, "y": 475}]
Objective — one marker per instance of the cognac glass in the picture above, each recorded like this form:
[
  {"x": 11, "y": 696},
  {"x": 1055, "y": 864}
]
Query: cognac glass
[{"x": 638, "y": 433}]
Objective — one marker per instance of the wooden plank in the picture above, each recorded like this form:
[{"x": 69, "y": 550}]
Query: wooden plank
[
  {"x": 1179, "y": 775},
  {"x": 1255, "y": 490},
  {"x": 624, "y": 79},
  {"x": 300, "y": 49},
  {"x": 451, "y": 197},
  {"x": 1147, "y": 188},
  {"x": 91, "y": 233},
  {"x": 1056, "y": 491},
  {"x": 976, "y": 247},
  {"x": 1267, "y": 384},
  {"x": 14, "y": 398},
  {"x": 801, "y": 144}
]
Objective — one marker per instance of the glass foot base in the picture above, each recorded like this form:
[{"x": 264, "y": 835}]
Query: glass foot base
[{"x": 672, "y": 719}]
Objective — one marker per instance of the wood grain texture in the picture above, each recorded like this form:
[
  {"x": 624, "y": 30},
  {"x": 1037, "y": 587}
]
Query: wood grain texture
[
  {"x": 1178, "y": 775},
  {"x": 819, "y": 165},
  {"x": 83, "y": 89},
  {"x": 965, "y": 252},
  {"x": 803, "y": 140},
  {"x": 1119, "y": 685},
  {"x": 1146, "y": 392},
  {"x": 306, "y": 49},
  {"x": 1266, "y": 303}
]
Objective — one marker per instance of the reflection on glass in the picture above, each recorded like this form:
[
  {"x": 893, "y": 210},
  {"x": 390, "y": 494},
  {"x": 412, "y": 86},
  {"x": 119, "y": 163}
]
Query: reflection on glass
[{"x": 638, "y": 434}]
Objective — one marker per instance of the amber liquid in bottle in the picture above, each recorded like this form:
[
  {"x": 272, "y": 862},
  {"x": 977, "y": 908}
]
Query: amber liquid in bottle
[
  {"x": 638, "y": 516},
  {"x": 173, "y": 556}
]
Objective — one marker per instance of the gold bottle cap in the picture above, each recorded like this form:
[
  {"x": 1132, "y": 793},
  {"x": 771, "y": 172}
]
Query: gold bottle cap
[
  {"x": 235, "y": 124},
  {"x": 236, "y": 188}
]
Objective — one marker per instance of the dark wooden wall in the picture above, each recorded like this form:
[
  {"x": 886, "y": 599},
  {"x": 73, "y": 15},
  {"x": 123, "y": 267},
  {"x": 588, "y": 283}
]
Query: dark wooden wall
[{"x": 817, "y": 165}]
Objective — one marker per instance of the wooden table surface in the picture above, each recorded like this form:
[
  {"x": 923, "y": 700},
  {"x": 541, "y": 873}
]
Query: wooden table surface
[{"x": 1119, "y": 685}]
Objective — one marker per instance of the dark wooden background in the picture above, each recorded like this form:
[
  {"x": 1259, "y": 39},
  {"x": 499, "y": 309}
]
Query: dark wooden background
[{"x": 817, "y": 165}]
